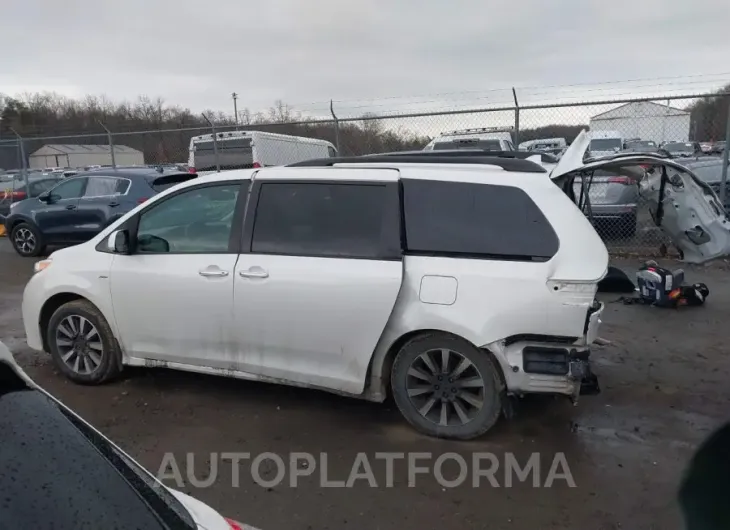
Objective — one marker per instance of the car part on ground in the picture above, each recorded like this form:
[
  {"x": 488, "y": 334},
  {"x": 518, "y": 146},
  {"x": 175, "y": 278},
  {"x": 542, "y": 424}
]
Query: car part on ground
[
  {"x": 59, "y": 472},
  {"x": 342, "y": 274}
]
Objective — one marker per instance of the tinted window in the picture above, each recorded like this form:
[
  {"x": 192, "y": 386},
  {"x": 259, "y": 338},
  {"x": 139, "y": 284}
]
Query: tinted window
[
  {"x": 457, "y": 218},
  {"x": 605, "y": 144},
  {"x": 195, "y": 221},
  {"x": 58, "y": 473},
  {"x": 469, "y": 143},
  {"x": 71, "y": 189},
  {"x": 106, "y": 186},
  {"x": 337, "y": 220}
]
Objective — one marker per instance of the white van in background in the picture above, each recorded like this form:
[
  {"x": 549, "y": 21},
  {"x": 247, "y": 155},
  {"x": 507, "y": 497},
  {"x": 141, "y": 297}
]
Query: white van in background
[
  {"x": 251, "y": 149},
  {"x": 485, "y": 138},
  {"x": 605, "y": 143}
]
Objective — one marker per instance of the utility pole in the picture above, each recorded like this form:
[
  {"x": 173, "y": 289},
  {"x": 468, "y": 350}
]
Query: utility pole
[
  {"x": 235, "y": 108},
  {"x": 110, "y": 141}
]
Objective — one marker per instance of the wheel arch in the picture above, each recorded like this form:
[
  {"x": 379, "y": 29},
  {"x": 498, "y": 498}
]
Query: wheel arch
[
  {"x": 52, "y": 304},
  {"x": 379, "y": 371}
]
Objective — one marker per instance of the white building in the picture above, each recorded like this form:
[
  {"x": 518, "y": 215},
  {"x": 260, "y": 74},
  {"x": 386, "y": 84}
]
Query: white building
[
  {"x": 77, "y": 156},
  {"x": 645, "y": 120}
]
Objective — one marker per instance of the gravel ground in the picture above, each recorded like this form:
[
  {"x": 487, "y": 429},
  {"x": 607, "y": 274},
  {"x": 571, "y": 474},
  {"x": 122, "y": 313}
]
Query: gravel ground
[{"x": 664, "y": 379}]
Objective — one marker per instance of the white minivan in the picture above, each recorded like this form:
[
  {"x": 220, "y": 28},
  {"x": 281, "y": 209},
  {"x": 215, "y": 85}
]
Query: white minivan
[
  {"x": 445, "y": 281},
  {"x": 252, "y": 149}
]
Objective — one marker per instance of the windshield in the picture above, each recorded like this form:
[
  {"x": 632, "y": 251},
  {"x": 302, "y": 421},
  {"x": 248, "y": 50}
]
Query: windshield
[
  {"x": 711, "y": 173},
  {"x": 605, "y": 144},
  {"x": 469, "y": 143},
  {"x": 233, "y": 153},
  {"x": 679, "y": 146},
  {"x": 643, "y": 144},
  {"x": 59, "y": 473}
]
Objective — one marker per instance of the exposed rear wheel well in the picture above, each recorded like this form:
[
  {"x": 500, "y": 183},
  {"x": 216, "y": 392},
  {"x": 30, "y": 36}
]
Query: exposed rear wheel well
[
  {"x": 53, "y": 303},
  {"x": 387, "y": 365}
]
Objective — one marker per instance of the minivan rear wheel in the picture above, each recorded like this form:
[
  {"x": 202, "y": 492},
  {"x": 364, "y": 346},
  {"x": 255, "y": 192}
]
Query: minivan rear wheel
[
  {"x": 446, "y": 387},
  {"x": 82, "y": 344}
]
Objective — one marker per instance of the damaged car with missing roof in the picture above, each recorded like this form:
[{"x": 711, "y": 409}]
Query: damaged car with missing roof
[{"x": 682, "y": 205}]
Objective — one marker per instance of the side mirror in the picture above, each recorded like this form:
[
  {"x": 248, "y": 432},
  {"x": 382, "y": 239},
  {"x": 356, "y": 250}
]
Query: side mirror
[
  {"x": 118, "y": 242},
  {"x": 44, "y": 197}
]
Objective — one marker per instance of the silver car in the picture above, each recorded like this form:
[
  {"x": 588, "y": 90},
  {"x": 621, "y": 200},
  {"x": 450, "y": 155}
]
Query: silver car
[{"x": 612, "y": 203}]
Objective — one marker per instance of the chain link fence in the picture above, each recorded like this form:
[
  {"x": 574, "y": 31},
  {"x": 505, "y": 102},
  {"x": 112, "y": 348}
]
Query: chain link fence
[{"x": 689, "y": 128}]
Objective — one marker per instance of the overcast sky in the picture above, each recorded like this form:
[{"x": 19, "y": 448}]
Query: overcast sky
[{"x": 367, "y": 55}]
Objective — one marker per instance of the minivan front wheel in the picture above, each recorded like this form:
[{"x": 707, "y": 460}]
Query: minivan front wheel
[
  {"x": 27, "y": 240},
  {"x": 82, "y": 344},
  {"x": 446, "y": 387}
]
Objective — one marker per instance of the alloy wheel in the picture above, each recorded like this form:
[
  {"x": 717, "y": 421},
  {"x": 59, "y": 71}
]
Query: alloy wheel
[
  {"x": 445, "y": 387},
  {"x": 79, "y": 344},
  {"x": 24, "y": 240}
]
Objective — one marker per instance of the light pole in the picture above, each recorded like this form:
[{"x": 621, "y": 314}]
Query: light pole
[{"x": 235, "y": 108}]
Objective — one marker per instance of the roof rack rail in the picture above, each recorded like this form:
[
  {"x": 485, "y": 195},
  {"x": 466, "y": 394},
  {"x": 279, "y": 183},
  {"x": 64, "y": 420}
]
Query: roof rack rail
[{"x": 506, "y": 161}]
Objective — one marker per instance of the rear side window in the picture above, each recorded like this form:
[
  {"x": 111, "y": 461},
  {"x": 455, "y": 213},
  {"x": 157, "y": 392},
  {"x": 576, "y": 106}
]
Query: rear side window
[
  {"x": 106, "y": 186},
  {"x": 326, "y": 220},
  {"x": 475, "y": 220}
]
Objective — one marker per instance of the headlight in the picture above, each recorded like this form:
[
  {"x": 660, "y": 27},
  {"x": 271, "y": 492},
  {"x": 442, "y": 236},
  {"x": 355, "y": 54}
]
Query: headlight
[
  {"x": 42, "y": 265},
  {"x": 13, "y": 205}
]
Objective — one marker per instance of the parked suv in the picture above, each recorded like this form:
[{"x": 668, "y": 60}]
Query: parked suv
[
  {"x": 81, "y": 206},
  {"x": 452, "y": 281}
]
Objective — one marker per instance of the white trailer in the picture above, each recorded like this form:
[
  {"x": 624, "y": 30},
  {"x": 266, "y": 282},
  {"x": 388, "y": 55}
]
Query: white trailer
[
  {"x": 252, "y": 149},
  {"x": 645, "y": 120}
]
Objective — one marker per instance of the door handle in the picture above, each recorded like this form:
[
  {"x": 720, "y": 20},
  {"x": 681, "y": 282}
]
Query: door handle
[
  {"x": 260, "y": 273},
  {"x": 112, "y": 204},
  {"x": 213, "y": 273},
  {"x": 71, "y": 207}
]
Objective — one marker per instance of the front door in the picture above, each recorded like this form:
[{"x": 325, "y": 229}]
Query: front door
[
  {"x": 173, "y": 295},
  {"x": 104, "y": 201},
  {"x": 318, "y": 278},
  {"x": 58, "y": 218}
]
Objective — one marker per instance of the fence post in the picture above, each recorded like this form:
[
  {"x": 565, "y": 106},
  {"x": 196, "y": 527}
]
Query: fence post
[
  {"x": 111, "y": 143},
  {"x": 725, "y": 156},
  {"x": 23, "y": 164},
  {"x": 215, "y": 143},
  {"x": 517, "y": 119},
  {"x": 337, "y": 127}
]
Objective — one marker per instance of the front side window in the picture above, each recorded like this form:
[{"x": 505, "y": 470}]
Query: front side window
[
  {"x": 106, "y": 186},
  {"x": 195, "y": 221},
  {"x": 475, "y": 220},
  {"x": 320, "y": 219},
  {"x": 71, "y": 189}
]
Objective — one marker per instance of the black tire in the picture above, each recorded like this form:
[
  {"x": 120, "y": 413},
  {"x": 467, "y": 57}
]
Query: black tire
[
  {"x": 27, "y": 240},
  {"x": 106, "y": 350},
  {"x": 480, "y": 420}
]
